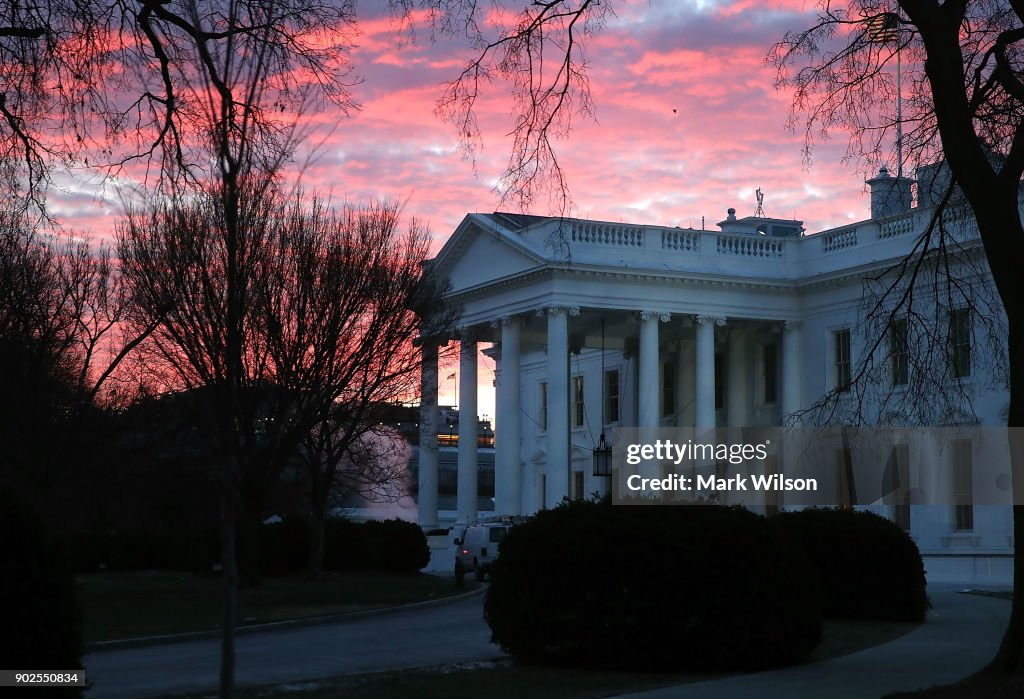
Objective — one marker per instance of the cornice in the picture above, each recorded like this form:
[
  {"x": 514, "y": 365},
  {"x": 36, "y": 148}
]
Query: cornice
[{"x": 683, "y": 279}]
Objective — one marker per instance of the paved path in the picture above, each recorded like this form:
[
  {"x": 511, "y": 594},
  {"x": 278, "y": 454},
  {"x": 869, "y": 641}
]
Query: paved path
[
  {"x": 961, "y": 635},
  {"x": 436, "y": 635}
]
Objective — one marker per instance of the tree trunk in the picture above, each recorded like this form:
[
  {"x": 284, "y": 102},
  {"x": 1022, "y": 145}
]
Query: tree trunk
[
  {"x": 1011, "y": 652},
  {"x": 249, "y": 532},
  {"x": 229, "y": 566},
  {"x": 317, "y": 521},
  {"x": 318, "y": 514},
  {"x": 233, "y": 412},
  {"x": 1002, "y": 234}
]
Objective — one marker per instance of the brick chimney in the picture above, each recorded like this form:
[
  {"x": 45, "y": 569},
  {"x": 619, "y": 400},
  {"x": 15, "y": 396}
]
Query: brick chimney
[{"x": 889, "y": 195}]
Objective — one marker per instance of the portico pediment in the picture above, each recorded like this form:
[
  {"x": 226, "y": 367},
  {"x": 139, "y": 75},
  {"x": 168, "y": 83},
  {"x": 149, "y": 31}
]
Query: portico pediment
[{"x": 483, "y": 252}]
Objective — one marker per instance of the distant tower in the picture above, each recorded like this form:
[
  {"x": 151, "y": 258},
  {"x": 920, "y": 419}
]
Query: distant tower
[{"x": 760, "y": 204}]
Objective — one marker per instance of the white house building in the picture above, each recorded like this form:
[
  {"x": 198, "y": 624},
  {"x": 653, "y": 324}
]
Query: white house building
[{"x": 600, "y": 326}]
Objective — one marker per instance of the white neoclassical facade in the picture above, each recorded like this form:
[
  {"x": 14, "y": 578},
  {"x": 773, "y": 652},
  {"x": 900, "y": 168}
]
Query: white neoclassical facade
[{"x": 598, "y": 326}]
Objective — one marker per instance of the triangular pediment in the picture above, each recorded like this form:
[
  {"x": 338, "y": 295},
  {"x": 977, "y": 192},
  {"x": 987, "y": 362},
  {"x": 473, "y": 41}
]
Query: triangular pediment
[{"x": 483, "y": 252}]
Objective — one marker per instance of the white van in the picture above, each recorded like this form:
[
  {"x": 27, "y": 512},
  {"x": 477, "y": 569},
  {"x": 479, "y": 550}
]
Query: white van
[{"x": 477, "y": 547}]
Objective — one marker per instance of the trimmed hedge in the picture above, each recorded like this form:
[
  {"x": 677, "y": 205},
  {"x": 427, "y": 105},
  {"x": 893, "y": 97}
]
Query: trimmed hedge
[
  {"x": 653, "y": 588},
  {"x": 88, "y": 552},
  {"x": 869, "y": 567},
  {"x": 42, "y": 627},
  {"x": 393, "y": 545}
]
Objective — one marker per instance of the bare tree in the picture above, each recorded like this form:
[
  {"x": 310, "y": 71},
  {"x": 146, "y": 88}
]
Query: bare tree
[
  {"x": 181, "y": 92},
  {"x": 538, "y": 50},
  {"x": 339, "y": 304},
  {"x": 61, "y": 308},
  {"x": 333, "y": 302},
  {"x": 966, "y": 102},
  {"x": 344, "y": 457},
  {"x": 166, "y": 79}
]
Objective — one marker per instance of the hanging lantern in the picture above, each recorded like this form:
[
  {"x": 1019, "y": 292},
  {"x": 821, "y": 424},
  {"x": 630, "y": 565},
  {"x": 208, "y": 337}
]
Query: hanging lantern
[{"x": 603, "y": 458}]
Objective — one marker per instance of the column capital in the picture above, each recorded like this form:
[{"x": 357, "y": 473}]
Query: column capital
[
  {"x": 555, "y": 309},
  {"x": 506, "y": 321},
  {"x": 711, "y": 320},
  {"x": 649, "y": 315},
  {"x": 791, "y": 324},
  {"x": 467, "y": 333}
]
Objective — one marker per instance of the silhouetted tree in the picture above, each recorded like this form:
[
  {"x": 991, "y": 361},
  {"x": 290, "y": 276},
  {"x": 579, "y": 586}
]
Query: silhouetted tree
[
  {"x": 343, "y": 456},
  {"x": 966, "y": 105},
  {"x": 334, "y": 301},
  {"x": 212, "y": 91},
  {"x": 61, "y": 306},
  {"x": 343, "y": 295}
]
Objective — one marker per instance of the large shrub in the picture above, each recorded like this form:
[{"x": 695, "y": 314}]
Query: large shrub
[
  {"x": 88, "y": 552},
  {"x": 42, "y": 629},
  {"x": 344, "y": 545},
  {"x": 395, "y": 546},
  {"x": 392, "y": 546},
  {"x": 666, "y": 588},
  {"x": 284, "y": 547},
  {"x": 869, "y": 567}
]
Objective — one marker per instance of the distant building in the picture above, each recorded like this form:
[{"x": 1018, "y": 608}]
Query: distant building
[{"x": 745, "y": 326}]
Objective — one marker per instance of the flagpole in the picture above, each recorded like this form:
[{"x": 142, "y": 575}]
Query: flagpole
[
  {"x": 899, "y": 110},
  {"x": 881, "y": 29}
]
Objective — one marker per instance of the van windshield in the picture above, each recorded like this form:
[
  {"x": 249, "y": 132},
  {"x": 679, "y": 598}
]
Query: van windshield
[{"x": 497, "y": 534}]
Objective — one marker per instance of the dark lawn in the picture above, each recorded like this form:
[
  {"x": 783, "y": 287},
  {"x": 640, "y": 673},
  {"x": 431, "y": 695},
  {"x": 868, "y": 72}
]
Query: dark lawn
[{"x": 151, "y": 603}]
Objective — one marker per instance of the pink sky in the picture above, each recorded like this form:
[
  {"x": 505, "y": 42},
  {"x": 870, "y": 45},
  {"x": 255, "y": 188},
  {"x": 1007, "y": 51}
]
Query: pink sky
[{"x": 687, "y": 124}]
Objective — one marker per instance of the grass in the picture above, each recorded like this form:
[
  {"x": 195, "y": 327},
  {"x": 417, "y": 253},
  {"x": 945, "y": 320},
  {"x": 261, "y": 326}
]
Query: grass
[
  {"x": 504, "y": 679},
  {"x": 151, "y": 603},
  {"x": 844, "y": 636},
  {"x": 987, "y": 683}
]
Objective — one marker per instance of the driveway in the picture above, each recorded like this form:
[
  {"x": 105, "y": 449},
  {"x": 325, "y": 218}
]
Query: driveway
[{"x": 446, "y": 633}]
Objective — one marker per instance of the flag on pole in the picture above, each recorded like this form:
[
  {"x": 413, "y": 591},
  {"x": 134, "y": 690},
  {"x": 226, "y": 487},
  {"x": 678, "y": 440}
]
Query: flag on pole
[{"x": 883, "y": 28}]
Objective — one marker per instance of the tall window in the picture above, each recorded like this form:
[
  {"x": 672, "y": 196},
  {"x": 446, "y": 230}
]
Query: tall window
[
  {"x": 841, "y": 340},
  {"x": 668, "y": 389},
  {"x": 769, "y": 357},
  {"x": 611, "y": 396},
  {"x": 963, "y": 485},
  {"x": 898, "y": 356},
  {"x": 578, "y": 407},
  {"x": 577, "y": 485},
  {"x": 960, "y": 343},
  {"x": 544, "y": 405}
]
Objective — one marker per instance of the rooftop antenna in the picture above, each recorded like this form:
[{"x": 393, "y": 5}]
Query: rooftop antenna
[{"x": 760, "y": 204}]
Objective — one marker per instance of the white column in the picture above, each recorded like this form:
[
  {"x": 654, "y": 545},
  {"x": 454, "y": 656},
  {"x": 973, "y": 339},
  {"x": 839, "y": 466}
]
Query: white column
[
  {"x": 687, "y": 388},
  {"x": 705, "y": 370},
  {"x": 506, "y": 437},
  {"x": 790, "y": 368},
  {"x": 738, "y": 401},
  {"x": 428, "y": 437},
  {"x": 466, "y": 494},
  {"x": 649, "y": 394},
  {"x": 557, "y": 452}
]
